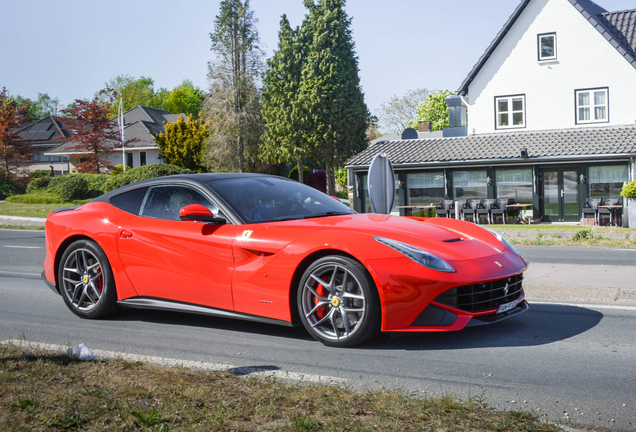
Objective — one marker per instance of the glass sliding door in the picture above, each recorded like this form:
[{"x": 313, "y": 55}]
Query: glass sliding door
[{"x": 560, "y": 195}]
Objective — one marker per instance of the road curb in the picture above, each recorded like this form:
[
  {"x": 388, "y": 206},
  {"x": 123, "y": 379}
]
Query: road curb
[
  {"x": 22, "y": 220},
  {"x": 533, "y": 234}
]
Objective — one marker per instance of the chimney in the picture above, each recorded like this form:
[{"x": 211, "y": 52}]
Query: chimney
[
  {"x": 424, "y": 126},
  {"x": 456, "y": 116}
]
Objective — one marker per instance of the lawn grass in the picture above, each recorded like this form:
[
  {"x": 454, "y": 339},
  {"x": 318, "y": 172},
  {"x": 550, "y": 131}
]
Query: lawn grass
[
  {"x": 29, "y": 210},
  {"x": 48, "y": 391}
]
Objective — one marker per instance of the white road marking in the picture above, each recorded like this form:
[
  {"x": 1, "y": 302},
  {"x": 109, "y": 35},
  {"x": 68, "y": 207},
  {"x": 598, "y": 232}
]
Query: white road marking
[
  {"x": 592, "y": 306},
  {"x": 23, "y": 247},
  {"x": 243, "y": 371}
]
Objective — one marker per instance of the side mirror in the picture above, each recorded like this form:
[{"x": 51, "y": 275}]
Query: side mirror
[{"x": 198, "y": 213}]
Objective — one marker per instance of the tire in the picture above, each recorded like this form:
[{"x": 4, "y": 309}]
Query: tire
[
  {"x": 338, "y": 302},
  {"x": 86, "y": 280}
]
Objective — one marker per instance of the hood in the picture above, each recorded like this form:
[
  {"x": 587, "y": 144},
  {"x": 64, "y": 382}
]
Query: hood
[{"x": 447, "y": 238}]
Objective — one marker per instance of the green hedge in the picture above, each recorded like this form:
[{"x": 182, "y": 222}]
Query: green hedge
[
  {"x": 7, "y": 189},
  {"x": 36, "y": 198},
  {"x": 75, "y": 187},
  {"x": 39, "y": 173},
  {"x": 38, "y": 184}
]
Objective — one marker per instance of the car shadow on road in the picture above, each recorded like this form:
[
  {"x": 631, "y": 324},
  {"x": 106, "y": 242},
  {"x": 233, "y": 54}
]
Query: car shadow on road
[
  {"x": 211, "y": 322},
  {"x": 542, "y": 324}
]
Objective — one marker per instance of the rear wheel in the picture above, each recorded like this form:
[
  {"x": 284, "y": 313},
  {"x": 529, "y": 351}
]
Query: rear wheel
[
  {"x": 338, "y": 302},
  {"x": 86, "y": 280}
]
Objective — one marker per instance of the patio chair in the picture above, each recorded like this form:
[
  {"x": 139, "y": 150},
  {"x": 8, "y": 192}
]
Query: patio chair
[
  {"x": 499, "y": 209},
  {"x": 483, "y": 211},
  {"x": 470, "y": 208},
  {"x": 590, "y": 209},
  {"x": 446, "y": 208}
]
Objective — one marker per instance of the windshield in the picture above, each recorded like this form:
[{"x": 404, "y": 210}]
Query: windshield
[{"x": 266, "y": 199}]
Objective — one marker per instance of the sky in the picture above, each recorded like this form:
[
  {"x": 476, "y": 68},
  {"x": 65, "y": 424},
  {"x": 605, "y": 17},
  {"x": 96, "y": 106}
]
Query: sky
[{"x": 71, "y": 48}]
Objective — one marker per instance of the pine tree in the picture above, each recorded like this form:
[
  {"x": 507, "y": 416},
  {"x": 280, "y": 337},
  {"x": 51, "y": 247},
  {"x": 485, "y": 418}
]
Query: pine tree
[
  {"x": 282, "y": 140},
  {"x": 183, "y": 143},
  {"x": 330, "y": 94},
  {"x": 233, "y": 105}
]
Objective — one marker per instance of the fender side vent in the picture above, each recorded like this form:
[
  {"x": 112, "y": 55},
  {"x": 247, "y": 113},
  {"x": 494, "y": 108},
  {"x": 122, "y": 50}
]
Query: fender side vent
[{"x": 453, "y": 240}]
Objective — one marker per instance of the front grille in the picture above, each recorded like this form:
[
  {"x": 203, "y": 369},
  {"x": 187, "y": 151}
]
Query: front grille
[{"x": 483, "y": 296}]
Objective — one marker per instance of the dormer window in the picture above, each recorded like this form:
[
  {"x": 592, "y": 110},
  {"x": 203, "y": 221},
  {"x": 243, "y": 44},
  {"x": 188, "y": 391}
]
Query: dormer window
[{"x": 547, "y": 46}]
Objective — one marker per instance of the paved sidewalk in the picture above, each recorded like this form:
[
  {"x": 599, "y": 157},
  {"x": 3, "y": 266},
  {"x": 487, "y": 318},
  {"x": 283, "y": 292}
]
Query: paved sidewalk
[
  {"x": 20, "y": 220},
  {"x": 601, "y": 284}
]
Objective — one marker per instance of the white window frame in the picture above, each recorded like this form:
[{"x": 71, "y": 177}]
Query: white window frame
[
  {"x": 510, "y": 112},
  {"x": 546, "y": 58},
  {"x": 591, "y": 107}
]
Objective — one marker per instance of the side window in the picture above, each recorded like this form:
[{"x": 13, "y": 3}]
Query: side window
[
  {"x": 164, "y": 202},
  {"x": 130, "y": 201},
  {"x": 510, "y": 111},
  {"x": 592, "y": 106},
  {"x": 547, "y": 46}
]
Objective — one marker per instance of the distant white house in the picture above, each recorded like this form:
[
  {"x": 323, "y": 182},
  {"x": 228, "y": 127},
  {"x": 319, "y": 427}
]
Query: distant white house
[{"x": 140, "y": 123}]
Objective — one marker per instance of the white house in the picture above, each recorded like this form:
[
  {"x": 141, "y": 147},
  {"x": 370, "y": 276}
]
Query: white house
[
  {"x": 140, "y": 149},
  {"x": 555, "y": 64},
  {"x": 551, "y": 118}
]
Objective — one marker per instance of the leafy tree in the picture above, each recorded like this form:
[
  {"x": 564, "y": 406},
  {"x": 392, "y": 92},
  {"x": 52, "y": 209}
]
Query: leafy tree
[
  {"x": 183, "y": 143},
  {"x": 434, "y": 109},
  {"x": 233, "y": 108},
  {"x": 373, "y": 131},
  {"x": 399, "y": 112},
  {"x": 330, "y": 94},
  {"x": 41, "y": 108},
  {"x": 96, "y": 134},
  {"x": 282, "y": 141},
  {"x": 185, "y": 99},
  {"x": 134, "y": 92},
  {"x": 15, "y": 152}
]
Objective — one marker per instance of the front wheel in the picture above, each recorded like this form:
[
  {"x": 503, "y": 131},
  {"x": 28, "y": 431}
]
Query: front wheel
[
  {"x": 86, "y": 280},
  {"x": 338, "y": 302}
]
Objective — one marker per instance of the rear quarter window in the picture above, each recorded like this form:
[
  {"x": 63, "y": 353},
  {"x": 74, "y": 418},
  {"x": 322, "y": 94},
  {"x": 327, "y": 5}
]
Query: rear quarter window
[{"x": 130, "y": 201}]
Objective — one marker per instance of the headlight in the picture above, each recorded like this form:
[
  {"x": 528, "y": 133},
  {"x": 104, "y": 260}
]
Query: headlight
[
  {"x": 420, "y": 256},
  {"x": 503, "y": 240}
]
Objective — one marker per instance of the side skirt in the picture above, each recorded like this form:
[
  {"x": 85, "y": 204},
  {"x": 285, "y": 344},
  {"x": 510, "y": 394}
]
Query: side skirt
[{"x": 167, "y": 305}]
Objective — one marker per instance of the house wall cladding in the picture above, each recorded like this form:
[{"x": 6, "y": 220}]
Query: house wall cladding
[{"x": 584, "y": 60}]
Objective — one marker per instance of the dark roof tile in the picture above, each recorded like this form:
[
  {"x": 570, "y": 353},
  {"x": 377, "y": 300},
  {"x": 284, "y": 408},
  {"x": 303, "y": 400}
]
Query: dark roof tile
[{"x": 505, "y": 146}]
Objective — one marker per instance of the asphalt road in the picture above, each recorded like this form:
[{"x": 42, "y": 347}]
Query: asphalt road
[{"x": 574, "y": 364}]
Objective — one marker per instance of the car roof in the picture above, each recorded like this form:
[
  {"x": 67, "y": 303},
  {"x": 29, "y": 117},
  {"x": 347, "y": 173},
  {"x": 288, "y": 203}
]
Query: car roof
[{"x": 192, "y": 179}]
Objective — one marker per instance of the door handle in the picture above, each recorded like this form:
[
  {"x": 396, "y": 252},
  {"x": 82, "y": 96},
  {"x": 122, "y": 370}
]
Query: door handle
[
  {"x": 562, "y": 193},
  {"x": 125, "y": 234}
]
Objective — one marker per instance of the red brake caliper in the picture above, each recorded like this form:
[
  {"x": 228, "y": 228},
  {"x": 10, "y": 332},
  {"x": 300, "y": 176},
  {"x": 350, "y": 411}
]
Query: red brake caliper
[
  {"x": 320, "y": 290},
  {"x": 100, "y": 283}
]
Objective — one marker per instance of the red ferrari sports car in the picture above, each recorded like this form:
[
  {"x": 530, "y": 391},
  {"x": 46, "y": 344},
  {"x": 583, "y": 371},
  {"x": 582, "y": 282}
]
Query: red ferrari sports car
[{"x": 273, "y": 250}]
